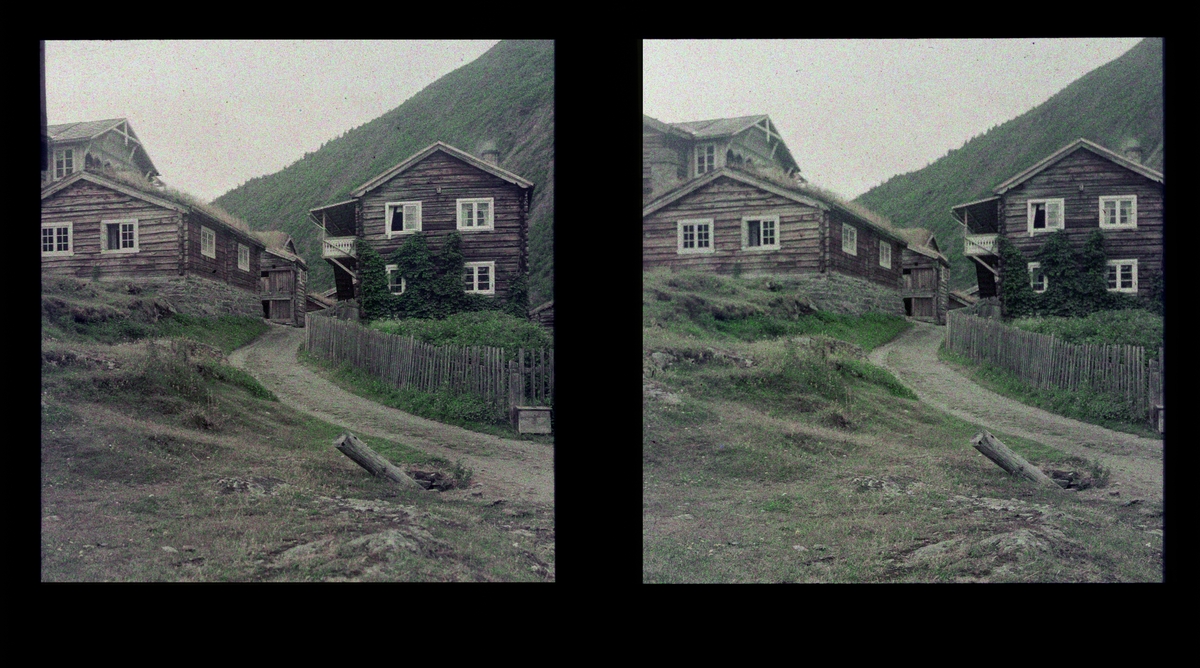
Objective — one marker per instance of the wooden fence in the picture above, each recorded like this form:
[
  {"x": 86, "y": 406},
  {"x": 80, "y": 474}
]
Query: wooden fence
[
  {"x": 520, "y": 378},
  {"x": 1120, "y": 371}
]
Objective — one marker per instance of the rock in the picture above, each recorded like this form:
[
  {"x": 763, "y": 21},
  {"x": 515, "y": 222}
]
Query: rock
[
  {"x": 168, "y": 548},
  {"x": 800, "y": 548},
  {"x": 188, "y": 548},
  {"x": 662, "y": 360}
]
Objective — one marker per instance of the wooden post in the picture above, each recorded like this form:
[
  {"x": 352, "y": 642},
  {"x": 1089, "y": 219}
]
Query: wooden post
[
  {"x": 371, "y": 461},
  {"x": 993, "y": 449}
]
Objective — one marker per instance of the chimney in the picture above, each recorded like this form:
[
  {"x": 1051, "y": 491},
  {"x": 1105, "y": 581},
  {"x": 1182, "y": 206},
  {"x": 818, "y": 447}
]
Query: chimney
[
  {"x": 1133, "y": 151},
  {"x": 489, "y": 153}
]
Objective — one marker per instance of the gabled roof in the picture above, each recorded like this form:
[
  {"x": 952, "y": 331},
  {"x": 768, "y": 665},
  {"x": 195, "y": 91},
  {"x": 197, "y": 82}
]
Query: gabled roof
[
  {"x": 720, "y": 127},
  {"x": 93, "y": 177},
  {"x": 449, "y": 150},
  {"x": 1068, "y": 150},
  {"x": 280, "y": 243},
  {"x": 88, "y": 130},
  {"x": 790, "y": 192},
  {"x": 922, "y": 241},
  {"x": 665, "y": 128}
]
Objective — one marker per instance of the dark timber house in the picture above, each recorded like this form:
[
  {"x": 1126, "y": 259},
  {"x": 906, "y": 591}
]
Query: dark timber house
[
  {"x": 673, "y": 153},
  {"x": 926, "y": 277},
  {"x": 758, "y": 222},
  {"x": 110, "y": 143},
  {"x": 437, "y": 191},
  {"x": 283, "y": 278},
  {"x": 1080, "y": 188}
]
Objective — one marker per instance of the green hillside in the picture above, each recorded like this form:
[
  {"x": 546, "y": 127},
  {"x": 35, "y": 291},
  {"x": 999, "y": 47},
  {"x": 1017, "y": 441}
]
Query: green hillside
[
  {"x": 505, "y": 96},
  {"x": 1111, "y": 104}
]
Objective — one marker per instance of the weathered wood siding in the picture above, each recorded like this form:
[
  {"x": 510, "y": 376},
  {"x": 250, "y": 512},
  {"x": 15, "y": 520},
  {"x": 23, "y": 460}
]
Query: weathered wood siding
[
  {"x": 865, "y": 263},
  {"x": 1081, "y": 179},
  {"x": 224, "y": 267},
  {"x": 926, "y": 279},
  {"x": 505, "y": 245},
  {"x": 664, "y": 162},
  {"x": 283, "y": 282},
  {"x": 727, "y": 201},
  {"x": 85, "y": 205}
]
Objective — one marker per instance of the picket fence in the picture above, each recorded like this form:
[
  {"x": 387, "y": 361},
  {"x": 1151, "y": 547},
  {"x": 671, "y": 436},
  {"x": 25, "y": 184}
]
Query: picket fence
[
  {"x": 520, "y": 378},
  {"x": 1120, "y": 371}
]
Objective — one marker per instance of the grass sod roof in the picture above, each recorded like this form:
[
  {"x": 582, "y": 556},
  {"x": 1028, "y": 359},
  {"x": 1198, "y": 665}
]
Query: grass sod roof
[{"x": 137, "y": 182}]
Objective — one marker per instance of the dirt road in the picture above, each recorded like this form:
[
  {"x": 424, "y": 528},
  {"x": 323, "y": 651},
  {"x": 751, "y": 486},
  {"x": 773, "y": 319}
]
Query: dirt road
[
  {"x": 504, "y": 468},
  {"x": 1136, "y": 463}
]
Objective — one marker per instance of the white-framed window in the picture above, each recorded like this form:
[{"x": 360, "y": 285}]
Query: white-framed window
[
  {"x": 760, "y": 233},
  {"x": 1122, "y": 276},
  {"x": 849, "y": 239},
  {"x": 243, "y": 257},
  {"x": 396, "y": 282},
  {"x": 1118, "y": 212},
  {"x": 403, "y": 217},
  {"x": 695, "y": 236},
  {"x": 57, "y": 239},
  {"x": 1045, "y": 215},
  {"x": 885, "y": 254},
  {"x": 64, "y": 162},
  {"x": 118, "y": 236},
  {"x": 706, "y": 158},
  {"x": 476, "y": 214},
  {"x": 479, "y": 277},
  {"x": 208, "y": 243},
  {"x": 1037, "y": 277}
]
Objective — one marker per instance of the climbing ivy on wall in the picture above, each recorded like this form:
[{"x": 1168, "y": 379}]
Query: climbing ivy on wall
[{"x": 1076, "y": 280}]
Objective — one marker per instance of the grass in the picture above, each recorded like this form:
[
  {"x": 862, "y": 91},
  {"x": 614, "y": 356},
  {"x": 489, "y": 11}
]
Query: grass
[
  {"x": 1134, "y": 327},
  {"x": 480, "y": 328},
  {"x": 1083, "y": 405}
]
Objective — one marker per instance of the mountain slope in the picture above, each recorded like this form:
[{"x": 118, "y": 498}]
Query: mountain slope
[
  {"x": 505, "y": 96},
  {"x": 1109, "y": 105}
]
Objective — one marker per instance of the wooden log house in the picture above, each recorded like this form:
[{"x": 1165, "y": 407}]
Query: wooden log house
[
  {"x": 283, "y": 277},
  {"x": 741, "y": 222},
  {"x": 111, "y": 143},
  {"x": 108, "y": 225},
  {"x": 1080, "y": 188},
  {"x": 435, "y": 192},
  {"x": 926, "y": 277}
]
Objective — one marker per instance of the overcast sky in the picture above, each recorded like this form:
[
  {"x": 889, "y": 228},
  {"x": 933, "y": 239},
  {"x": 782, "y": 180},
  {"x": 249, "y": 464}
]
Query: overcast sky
[
  {"x": 213, "y": 115},
  {"x": 857, "y": 112}
]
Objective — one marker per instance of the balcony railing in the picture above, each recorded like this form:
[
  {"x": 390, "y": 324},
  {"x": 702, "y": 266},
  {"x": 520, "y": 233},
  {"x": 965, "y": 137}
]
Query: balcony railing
[
  {"x": 338, "y": 247},
  {"x": 979, "y": 244}
]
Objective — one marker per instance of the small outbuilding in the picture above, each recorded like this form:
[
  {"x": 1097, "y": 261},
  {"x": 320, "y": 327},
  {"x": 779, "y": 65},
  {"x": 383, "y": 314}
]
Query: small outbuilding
[{"x": 926, "y": 274}]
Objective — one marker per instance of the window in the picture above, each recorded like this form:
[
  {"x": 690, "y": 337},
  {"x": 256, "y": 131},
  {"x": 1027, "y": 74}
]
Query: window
[
  {"x": 706, "y": 157},
  {"x": 885, "y": 254},
  {"x": 760, "y": 233},
  {"x": 849, "y": 239},
  {"x": 479, "y": 277},
  {"x": 243, "y": 257},
  {"x": 404, "y": 217},
  {"x": 1037, "y": 278},
  {"x": 1118, "y": 212},
  {"x": 118, "y": 236},
  {"x": 208, "y": 243},
  {"x": 475, "y": 214},
  {"x": 1045, "y": 215},
  {"x": 56, "y": 239},
  {"x": 396, "y": 282},
  {"x": 695, "y": 236},
  {"x": 64, "y": 162},
  {"x": 1122, "y": 275}
]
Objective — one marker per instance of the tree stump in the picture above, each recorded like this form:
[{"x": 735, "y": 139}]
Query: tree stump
[
  {"x": 371, "y": 460},
  {"x": 993, "y": 449}
]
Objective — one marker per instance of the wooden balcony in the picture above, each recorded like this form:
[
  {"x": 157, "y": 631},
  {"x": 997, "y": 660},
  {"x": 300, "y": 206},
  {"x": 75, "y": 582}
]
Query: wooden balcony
[
  {"x": 979, "y": 244},
  {"x": 335, "y": 247}
]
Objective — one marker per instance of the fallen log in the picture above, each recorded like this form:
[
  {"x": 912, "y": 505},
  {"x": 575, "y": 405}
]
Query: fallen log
[
  {"x": 993, "y": 449},
  {"x": 371, "y": 460}
]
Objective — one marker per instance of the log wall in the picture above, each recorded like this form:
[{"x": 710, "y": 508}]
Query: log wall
[{"x": 865, "y": 263}]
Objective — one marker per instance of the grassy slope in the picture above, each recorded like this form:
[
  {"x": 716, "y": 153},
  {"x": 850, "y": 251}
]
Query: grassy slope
[
  {"x": 506, "y": 95},
  {"x": 1121, "y": 99},
  {"x": 743, "y": 465}
]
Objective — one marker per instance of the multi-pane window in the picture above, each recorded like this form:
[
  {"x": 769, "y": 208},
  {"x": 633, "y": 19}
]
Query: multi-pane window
[
  {"x": 1122, "y": 275},
  {"x": 479, "y": 277},
  {"x": 1045, "y": 215},
  {"x": 403, "y": 217},
  {"x": 243, "y": 257},
  {"x": 475, "y": 214},
  {"x": 706, "y": 158},
  {"x": 118, "y": 236},
  {"x": 56, "y": 239},
  {"x": 1037, "y": 278},
  {"x": 64, "y": 162},
  {"x": 396, "y": 282},
  {"x": 208, "y": 242},
  {"x": 1118, "y": 211},
  {"x": 849, "y": 239},
  {"x": 759, "y": 232},
  {"x": 695, "y": 236},
  {"x": 885, "y": 254}
]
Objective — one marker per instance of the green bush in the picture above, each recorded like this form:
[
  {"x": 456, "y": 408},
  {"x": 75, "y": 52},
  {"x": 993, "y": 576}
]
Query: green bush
[
  {"x": 479, "y": 328},
  {"x": 1134, "y": 327},
  {"x": 1076, "y": 279}
]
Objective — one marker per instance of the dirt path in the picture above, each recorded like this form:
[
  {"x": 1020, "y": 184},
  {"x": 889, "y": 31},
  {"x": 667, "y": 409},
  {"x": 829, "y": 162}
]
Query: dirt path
[
  {"x": 504, "y": 468},
  {"x": 1136, "y": 463}
]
